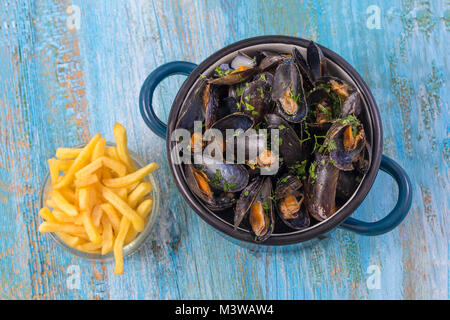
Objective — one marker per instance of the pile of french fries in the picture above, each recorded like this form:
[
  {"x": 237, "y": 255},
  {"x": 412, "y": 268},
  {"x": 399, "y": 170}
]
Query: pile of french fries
[{"x": 99, "y": 200}]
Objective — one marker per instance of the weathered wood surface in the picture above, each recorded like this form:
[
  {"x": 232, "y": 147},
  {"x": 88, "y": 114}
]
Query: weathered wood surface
[{"x": 64, "y": 77}]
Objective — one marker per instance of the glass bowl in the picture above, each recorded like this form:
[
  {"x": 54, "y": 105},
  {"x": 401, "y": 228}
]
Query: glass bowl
[{"x": 128, "y": 249}]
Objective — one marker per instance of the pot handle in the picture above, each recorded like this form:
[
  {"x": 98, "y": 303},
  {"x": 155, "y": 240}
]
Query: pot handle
[
  {"x": 148, "y": 88},
  {"x": 396, "y": 216}
]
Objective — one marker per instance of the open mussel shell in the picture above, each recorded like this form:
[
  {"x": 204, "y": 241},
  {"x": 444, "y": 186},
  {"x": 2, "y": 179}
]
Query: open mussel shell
[
  {"x": 243, "y": 67},
  {"x": 290, "y": 147},
  {"x": 289, "y": 202},
  {"x": 256, "y": 98},
  {"x": 199, "y": 184},
  {"x": 320, "y": 189},
  {"x": 351, "y": 105},
  {"x": 342, "y": 157},
  {"x": 305, "y": 71},
  {"x": 261, "y": 216},
  {"x": 288, "y": 92},
  {"x": 316, "y": 61},
  {"x": 234, "y": 121},
  {"x": 348, "y": 182},
  {"x": 193, "y": 110},
  {"x": 246, "y": 199},
  {"x": 339, "y": 86},
  {"x": 242, "y": 60},
  {"x": 210, "y": 99},
  {"x": 270, "y": 60},
  {"x": 226, "y": 177}
]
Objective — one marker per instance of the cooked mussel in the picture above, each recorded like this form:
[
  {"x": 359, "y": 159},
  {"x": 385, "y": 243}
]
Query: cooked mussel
[
  {"x": 261, "y": 217},
  {"x": 256, "y": 100},
  {"x": 289, "y": 202},
  {"x": 305, "y": 71},
  {"x": 288, "y": 92},
  {"x": 243, "y": 67},
  {"x": 345, "y": 141},
  {"x": 270, "y": 60},
  {"x": 321, "y": 187},
  {"x": 246, "y": 199},
  {"x": 223, "y": 177}
]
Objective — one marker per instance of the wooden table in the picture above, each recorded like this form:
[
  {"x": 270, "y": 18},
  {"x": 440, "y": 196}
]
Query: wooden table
[{"x": 69, "y": 69}]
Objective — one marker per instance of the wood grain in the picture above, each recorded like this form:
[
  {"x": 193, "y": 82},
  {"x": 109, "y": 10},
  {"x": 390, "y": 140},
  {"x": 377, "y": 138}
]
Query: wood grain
[{"x": 59, "y": 85}]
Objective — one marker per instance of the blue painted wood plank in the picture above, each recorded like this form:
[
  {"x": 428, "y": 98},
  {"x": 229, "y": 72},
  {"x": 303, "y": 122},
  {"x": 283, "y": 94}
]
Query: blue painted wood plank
[{"x": 61, "y": 81}]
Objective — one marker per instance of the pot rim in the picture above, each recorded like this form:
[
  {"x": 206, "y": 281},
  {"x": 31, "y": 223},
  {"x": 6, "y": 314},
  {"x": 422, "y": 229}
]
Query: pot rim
[{"x": 322, "y": 227}]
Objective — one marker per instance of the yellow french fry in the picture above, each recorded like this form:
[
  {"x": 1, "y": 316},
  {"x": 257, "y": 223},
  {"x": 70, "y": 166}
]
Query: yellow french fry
[
  {"x": 122, "y": 192},
  {"x": 124, "y": 208},
  {"x": 118, "y": 245},
  {"x": 90, "y": 247},
  {"x": 69, "y": 228},
  {"x": 111, "y": 152},
  {"x": 67, "y": 153},
  {"x": 82, "y": 158},
  {"x": 86, "y": 181},
  {"x": 97, "y": 213},
  {"x": 131, "y": 178},
  {"x": 112, "y": 215},
  {"x": 54, "y": 170},
  {"x": 68, "y": 194},
  {"x": 62, "y": 203},
  {"x": 89, "y": 169},
  {"x": 136, "y": 196},
  {"x": 60, "y": 216},
  {"x": 99, "y": 150},
  {"x": 120, "y": 135},
  {"x": 115, "y": 166},
  {"x": 68, "y": 239},
  {"x": 107, "y": 242},
  {"x": 47, "y": 215},
  {"x": 145, "y": 207},
  {"x": 64, "y": 165},
  {"x": 91, "y": 230},
  {"x": 87, "y": 198},
  {"x": 106, "y": 173},
  {"x": 131, "y": 235}
]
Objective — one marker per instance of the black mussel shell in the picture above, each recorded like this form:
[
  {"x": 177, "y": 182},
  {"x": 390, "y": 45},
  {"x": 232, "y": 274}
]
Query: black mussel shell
[
  {"x": 256, "y": 99},
  {"x": 351, "y": 105},
  {"x": 308, "y": 82},
  {"x": 288, "y": 92},
  {"x": 320, "y": 189},
  {"x": 222, "y": 176},
  {"x": 264, "y": 196},
  {"x": 290, "y": 147},
  {"x": 334, "y": 142},
  {"x": 291, "y": 185},
  {"x": 270, "y": 60},
  {"x": 210, "y": 98},
  {"x": 191, "y": 111},
  {"x": 348, "y": 182},
  {"x": 316, "y": 61},
  {"x": 246, "y": 200}
]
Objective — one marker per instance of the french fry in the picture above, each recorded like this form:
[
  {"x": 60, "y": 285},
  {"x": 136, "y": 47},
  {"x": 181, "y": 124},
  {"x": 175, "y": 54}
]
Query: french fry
[
  {"x": 60, "y": 216},
  {"x": 68, "y": 194},
  {"x": 99, "y": 150},
  {"x": 91, "y": 230},
  {"x": 53, "y": 168},
  {"x": 89, "y": 169},
  {"x": 111, "y": 152},
  {"x": 131, "y": 178},
  {"x": 82, "y": 158},
  {"x": 69, "y": 228},
  {"x": 107, "y": 238},
  {"x": 87, "y": 198},
  {"x": 145, "y": 207},
  {"x": 112, "y": 215},
  {"x": 64, "y": 165},
  {"x": 68, "y": 239},
  {"x": 136, "y": 196},
  {"x": 97, "y": 213},
  {"x": 118, "y": 245},
  {"x": 120, "y": 135},
  {"x": 131, "y": 235},
  {"x": 122, "y": 193},
  {"x": 63, "y": 204},
  {"x": 115, "y": 166},
  {"x": 47, "y": 215},
  {"x": 90, "y": 247},
  {"x": 67, "y": 153},
  {"x": 124, "y": 208},
  {"x": 86, "y": 181}
]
